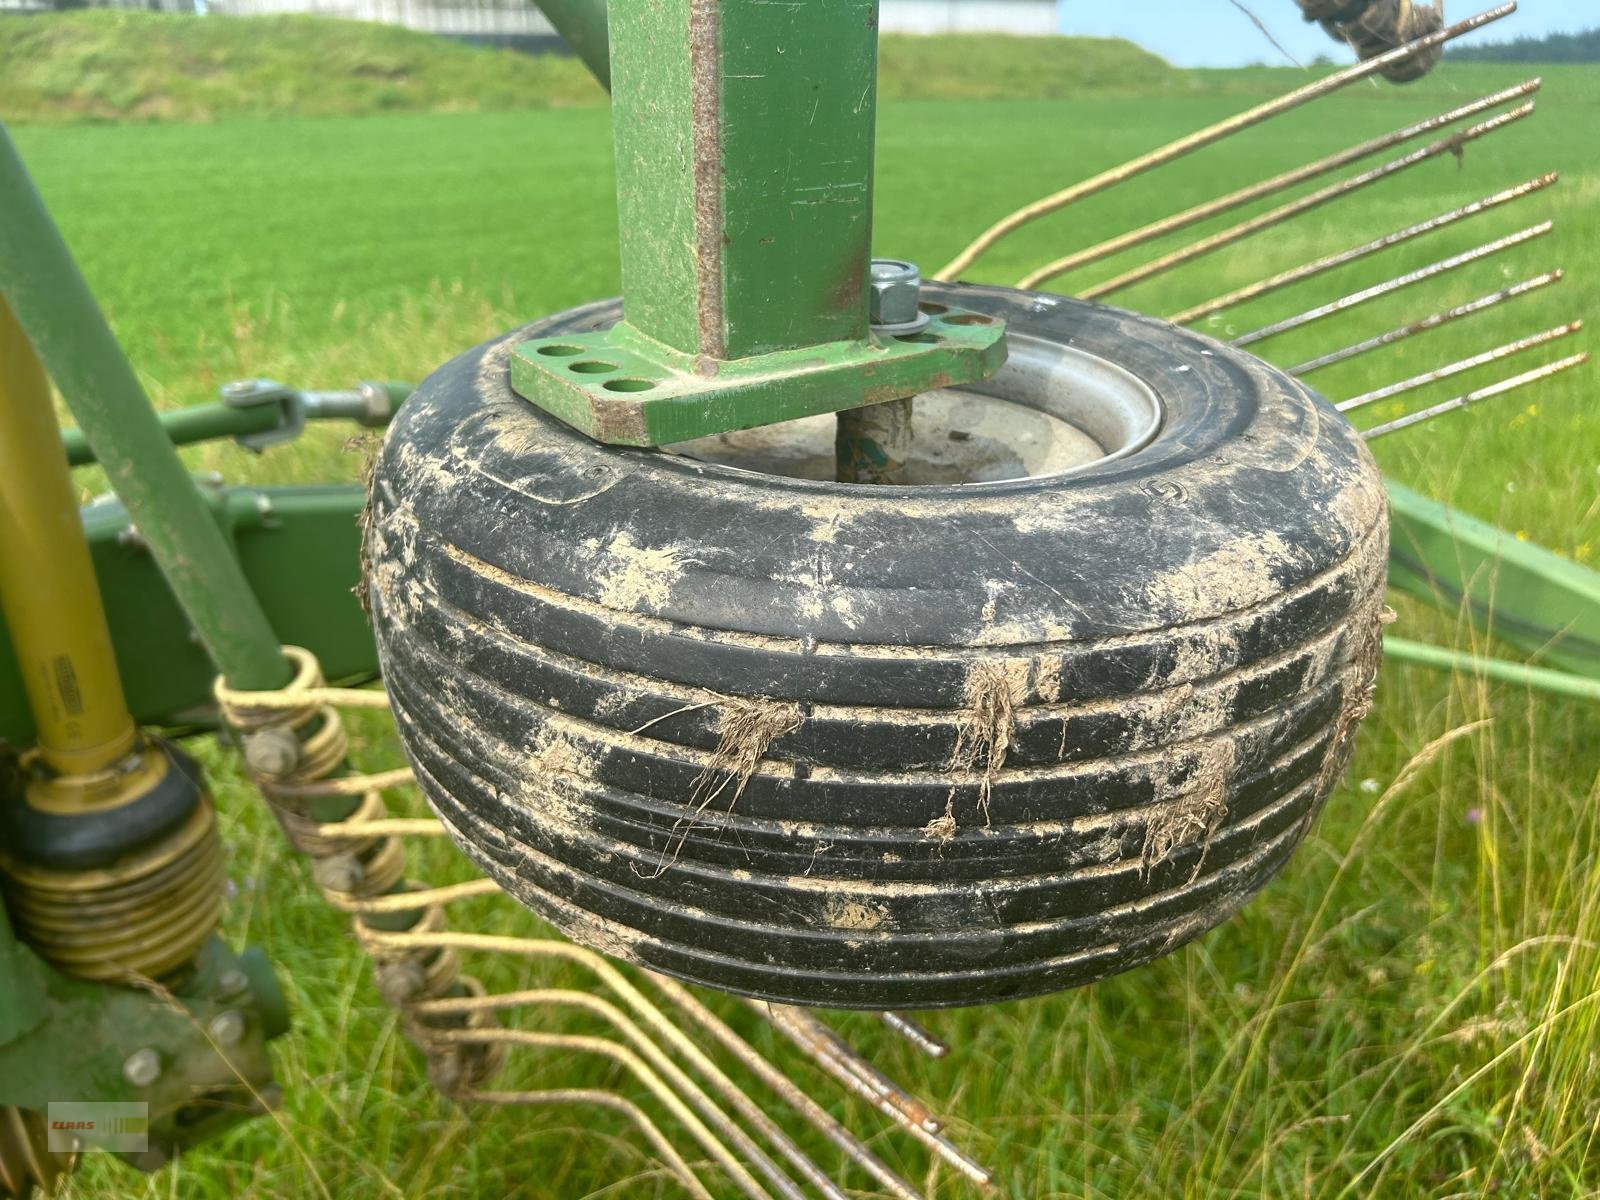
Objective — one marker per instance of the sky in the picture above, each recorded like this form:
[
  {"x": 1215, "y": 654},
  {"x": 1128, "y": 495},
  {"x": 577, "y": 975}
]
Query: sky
[{"x": 1214, "y": 33}]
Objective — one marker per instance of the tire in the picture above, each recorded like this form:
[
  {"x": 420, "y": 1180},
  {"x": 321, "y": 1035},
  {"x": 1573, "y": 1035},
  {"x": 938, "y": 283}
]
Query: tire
[{"x": 888, "y": 747}]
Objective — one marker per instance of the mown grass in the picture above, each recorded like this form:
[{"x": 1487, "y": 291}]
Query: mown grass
[
  {"x": 1410, "y": 1011},
  {"x": 121, "y": 65}
]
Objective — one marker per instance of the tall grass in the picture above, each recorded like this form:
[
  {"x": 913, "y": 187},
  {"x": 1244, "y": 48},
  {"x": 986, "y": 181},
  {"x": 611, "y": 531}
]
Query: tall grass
[{"x": 1409, "y": 1011}]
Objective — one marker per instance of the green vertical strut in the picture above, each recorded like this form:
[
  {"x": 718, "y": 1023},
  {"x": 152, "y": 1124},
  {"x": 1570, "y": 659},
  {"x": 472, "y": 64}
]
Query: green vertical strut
[
  {"x": 744, "y": 138},
  {"x": 54, "y": 306}
]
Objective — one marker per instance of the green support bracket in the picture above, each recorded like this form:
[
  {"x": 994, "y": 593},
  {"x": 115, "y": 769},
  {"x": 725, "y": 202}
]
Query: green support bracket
[
  {"x": 77, "y": 1039},
  {"x": 619, "y": 387},
  {"x": 744, "y": 135},
  {"x": 1516, "y": 591}
]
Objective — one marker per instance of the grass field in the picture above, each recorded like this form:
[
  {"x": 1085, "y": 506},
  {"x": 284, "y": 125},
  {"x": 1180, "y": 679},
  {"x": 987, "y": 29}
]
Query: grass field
[{"x": 1410, "y": 1011}]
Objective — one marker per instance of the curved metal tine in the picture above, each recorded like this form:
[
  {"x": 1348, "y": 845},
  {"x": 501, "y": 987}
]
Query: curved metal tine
[
  {"x": 1212, "y": 134},
  {"x": 634, "y": 999},
  {"x": 1310, "y": 270},
  {"x": 635, "y": 1066},
  {"x": 686, "y": 1087},
  {"x": 659, "y": 1142},
  {"x": 1389, "y": 286},
  {"x": 1458, "y": 368},
  {"x": 818, "y": 1117},
  {"x": 833, "y": 1055},
  {"x": 1484, "y": 393},
  {"x": 914, "y": 1032},
  {"x": 1271, "y": 187},
  {"x": 1434, "y": 321},
  {"x": 1305, "y": 204}
]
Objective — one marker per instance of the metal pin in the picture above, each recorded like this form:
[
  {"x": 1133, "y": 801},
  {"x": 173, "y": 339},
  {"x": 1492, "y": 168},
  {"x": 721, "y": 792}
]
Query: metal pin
[
  {"x": 823, "y": 1046},
  {"x": 914, "y": 1033},
  {"x": 1296, "y": 208},
  {"x": 1212, "y": 134},
  {"x": 1434, "y": 321},
  {"x": 1390, "y": 286},
  {"x": 1310, "y": 270},
  {"x": 1486, "y": 393},
  {"x": 1271, "y": 187},
  {"x": 1458, "y": 368}
]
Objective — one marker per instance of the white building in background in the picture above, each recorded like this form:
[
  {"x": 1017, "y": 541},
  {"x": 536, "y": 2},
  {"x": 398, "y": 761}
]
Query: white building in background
[
  {"x": 514, "y": 20},
  {"x": 518, "y": 21},
  {"x": 1031, "y": 18}
]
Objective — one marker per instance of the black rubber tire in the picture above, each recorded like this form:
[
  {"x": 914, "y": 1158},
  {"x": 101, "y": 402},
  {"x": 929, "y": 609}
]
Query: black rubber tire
[{"x": 1028, "y": 734}]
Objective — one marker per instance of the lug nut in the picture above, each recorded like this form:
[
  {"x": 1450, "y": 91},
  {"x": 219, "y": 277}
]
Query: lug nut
[{"x": 142, "y": 1068}]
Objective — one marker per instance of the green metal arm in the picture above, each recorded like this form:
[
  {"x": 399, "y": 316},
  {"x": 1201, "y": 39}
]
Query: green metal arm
[{"x": 54, "y": 306}]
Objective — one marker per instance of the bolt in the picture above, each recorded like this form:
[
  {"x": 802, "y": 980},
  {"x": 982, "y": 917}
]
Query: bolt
[
  {"x": 240, "y": 387},
  {"x": 226, "y": 1028},
  {"x": 233, "y": 982},
  {"x": 142, "y": 1068},
  {"x": 338, "y": 873},
  {"x": 272, "y": 751},
  {"x": 400, "y": 982},
  {"x": 896, "y": 288}
]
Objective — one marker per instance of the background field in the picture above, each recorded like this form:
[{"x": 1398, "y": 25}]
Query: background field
[{"x": 1408, "y": 1012}]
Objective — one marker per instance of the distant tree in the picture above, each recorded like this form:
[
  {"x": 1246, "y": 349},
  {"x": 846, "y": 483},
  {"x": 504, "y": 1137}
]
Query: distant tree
[{"x": 1552, "y": 48}]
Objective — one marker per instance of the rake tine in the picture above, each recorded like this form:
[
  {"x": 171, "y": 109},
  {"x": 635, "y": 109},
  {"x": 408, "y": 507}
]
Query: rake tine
[
  {"x": 1211, "y": 135},
  {"x": 676, "y": 1077},
  {"x": 1271, "y": 187},
  {"x": 1310, "y": 270},
  {"x": 1390, "y": 286},
  {"x": 914, "y": 1033},
  {"x": 1482, "y": 304},
  {"x": 819, "y": 1118},
  {"x": 1296, "y": 208},
  {"x": 859, "y": 1077},
  {"x": 1485, "y": 393},
  {"x": 659, "y": 1142},
  {"x": 635, "y": 1066},
  {"x": 1458, "y": 368},
  {"x": 912, "y": 1109}
]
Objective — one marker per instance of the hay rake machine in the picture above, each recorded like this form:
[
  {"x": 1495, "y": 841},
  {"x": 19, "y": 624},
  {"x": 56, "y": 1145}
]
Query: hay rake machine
[{"x": 797, "y": 629}]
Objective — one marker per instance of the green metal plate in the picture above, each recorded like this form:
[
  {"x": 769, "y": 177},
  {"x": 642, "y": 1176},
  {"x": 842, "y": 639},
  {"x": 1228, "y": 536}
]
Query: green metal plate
[{"x": 621, "y": 387}]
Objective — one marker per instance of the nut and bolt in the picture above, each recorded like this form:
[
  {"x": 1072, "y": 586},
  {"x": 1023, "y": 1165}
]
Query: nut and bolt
[
  {"x": 274, "y": 751},
  {"x": 338, "y": 873},
  {"x": 400, "y": 982},
  {"x": 233, "y": 982},
  {"x": 226, "y": 1028},
  {"x": 896, "y": 288},
  {"x": 142, "y": 1068},
  {"x": 240, "y": 387}
]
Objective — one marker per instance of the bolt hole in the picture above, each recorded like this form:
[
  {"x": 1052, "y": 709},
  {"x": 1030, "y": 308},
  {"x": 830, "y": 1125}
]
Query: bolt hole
[
  {"x": 628, "y": 385},
  {"x": 919, "y": 339},
  {"x": 969, "y": 319},
  {"x": 934, "y": 309},
  {"x": 592, "y": 366},
  {"x": 559, "y": 351}
]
